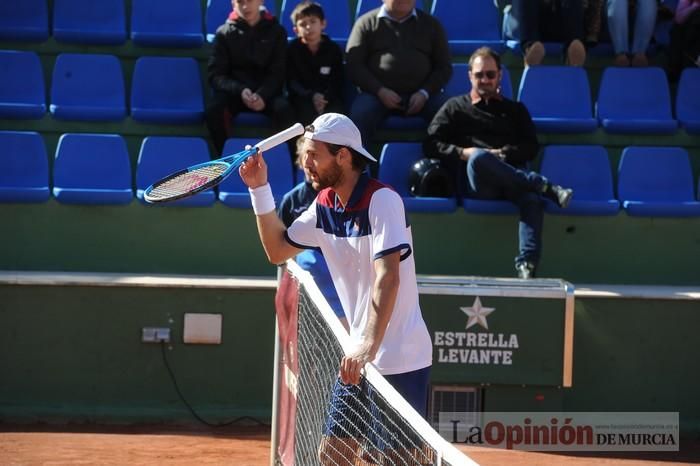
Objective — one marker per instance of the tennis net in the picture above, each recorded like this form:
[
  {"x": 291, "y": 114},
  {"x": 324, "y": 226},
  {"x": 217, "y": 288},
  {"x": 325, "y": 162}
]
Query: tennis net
[{"x": 372, "y": 425}]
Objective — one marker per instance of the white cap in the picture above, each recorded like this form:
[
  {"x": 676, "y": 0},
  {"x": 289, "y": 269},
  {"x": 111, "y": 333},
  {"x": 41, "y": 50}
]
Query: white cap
[{"x": 335, "y": 128}]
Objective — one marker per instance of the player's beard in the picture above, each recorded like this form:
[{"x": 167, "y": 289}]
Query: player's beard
[{"x": 329, "y": 179}]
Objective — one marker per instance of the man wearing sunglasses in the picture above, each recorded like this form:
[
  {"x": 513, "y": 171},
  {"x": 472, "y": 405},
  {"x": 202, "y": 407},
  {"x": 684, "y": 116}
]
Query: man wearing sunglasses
[{"x": 495, "y": 138}]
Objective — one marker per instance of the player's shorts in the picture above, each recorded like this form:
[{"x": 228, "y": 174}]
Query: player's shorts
[{"x": 353, "y": 406}]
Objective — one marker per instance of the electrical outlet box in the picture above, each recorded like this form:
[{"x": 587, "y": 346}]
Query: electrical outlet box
[
  {"x": 155, "y": 335},
  {"x": 202, "y": 328}
]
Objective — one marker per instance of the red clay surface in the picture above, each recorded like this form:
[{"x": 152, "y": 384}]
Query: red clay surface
[{"x": 245, "y": 446}]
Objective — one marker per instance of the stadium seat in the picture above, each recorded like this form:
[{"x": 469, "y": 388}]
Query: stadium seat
[
  {"x": 87, "y": 87},
  {"x": 363, "y": 6},
  {"x": 24, "y": 167},
  {"x": 635, "y": 100},
  {"x": 395, "y": 168},
  {"x": 24, "y": 20},
  {"x": 234, "y": 193},
  {"x": 92, "y": 169},
  {"x": 469, "y": 26},
  {"x": 219, "y": 10},
  {"x": 89, "y": 21},
  {"x": 22, "y": 91},
  {"x": 459, "y": 82},
  {"x": 656, "y": 182},
  {"x": 167, "y": 23},
  {"x": 337, "y": 15},
  {"x": 495, "y": 207},
  {"x": 585, "y": 169},
  {"x": 252, "y": 119},
  {"x": 688, "y": 100},
  {"x": 167, "y": 90},
  {"x": 161, "y": 156},
  {"x": 558, "y": 98}
]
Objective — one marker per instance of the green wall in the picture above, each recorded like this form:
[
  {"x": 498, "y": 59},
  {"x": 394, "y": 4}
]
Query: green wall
[
  {"x": 74, "y": 353},
  {"x": 224, "y": 241}
]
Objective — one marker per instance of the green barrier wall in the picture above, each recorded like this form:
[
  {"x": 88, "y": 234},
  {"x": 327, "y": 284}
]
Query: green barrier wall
[
  {"x": 224, "y": 241},
  {"x": 74, "y": 353}
]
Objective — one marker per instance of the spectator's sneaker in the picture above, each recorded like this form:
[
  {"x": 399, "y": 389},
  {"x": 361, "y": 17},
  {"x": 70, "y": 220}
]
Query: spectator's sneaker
[
  {"x": 560, "y": 196},
  {"x": 534, "y": 54},
  {"x": 640, "y": 60},
  {"x": 621, "y": 59},
  {"x": 576, "y": 53},
  {"x": 525, "y": 270}
]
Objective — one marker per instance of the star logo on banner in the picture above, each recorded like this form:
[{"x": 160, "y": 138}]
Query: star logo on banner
[{"x": 477, "y": 314}]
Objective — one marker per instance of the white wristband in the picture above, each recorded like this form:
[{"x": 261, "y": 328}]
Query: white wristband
[{"x": 262, "y": 199}]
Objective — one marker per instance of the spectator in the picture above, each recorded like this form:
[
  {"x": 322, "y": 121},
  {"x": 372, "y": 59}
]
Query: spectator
[
  {"x": 684, "y": 49},
  {"x": 593, "y": 18},
  {"x": 246, "y": 70},
  {"x": 496, "y": 138},
  {"x": 551, "y": 20},
  {"x": 618, "y": 24},
  {"x": 399, "y": 58},
  {"x": 314, "y": 65},
  {"x": 293, "y": 204}
]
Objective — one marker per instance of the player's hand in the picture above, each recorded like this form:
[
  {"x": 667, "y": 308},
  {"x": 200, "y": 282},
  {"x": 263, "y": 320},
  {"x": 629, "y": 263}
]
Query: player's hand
[
  {"x": 320, "y": 102},
  {"x": 389, "y": 98},
  {"x": 253, "y": 171},
  {"x": 351, "y": 365},
  {"x": 416, "y": 103}
]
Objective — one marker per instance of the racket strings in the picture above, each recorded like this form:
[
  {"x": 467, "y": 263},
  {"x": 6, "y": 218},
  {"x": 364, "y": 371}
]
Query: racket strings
[{"x": 189, "y": 181}]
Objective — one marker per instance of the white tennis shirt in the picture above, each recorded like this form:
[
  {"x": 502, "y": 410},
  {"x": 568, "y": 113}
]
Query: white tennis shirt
[{"x": 372, "y": 225}]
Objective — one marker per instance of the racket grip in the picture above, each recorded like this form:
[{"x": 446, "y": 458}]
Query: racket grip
[{"x": 277, "y": 139}]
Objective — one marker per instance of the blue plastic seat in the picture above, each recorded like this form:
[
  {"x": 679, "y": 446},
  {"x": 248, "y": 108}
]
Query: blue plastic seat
[
  {"x": 585, "y": 169},
  {"x": 24, "y": 20},
  {"x": 167, "y": 23},
  {"x": 363, "y": 6},
  {"x": 337, "y": 15},
  {"x": 395, "y": 168},
  {"x": 688, "y": 100},
  {"x": 252, "y": 119},
  {"x": 24, "y": 167},
  {"x": 635, "y": 100},
  {"x": 87, "y": 87},
  {"x": 22, "y": 92},
  {"x": 469, "y": 26},
  {"x": 656, "y": 182},
  {"x": 558, "y": 98},
  {"x": 161, "y": 156},
  {"x": 234, "y": 193},
  {"x": 89, "y": 21},
  {"x": 490, "y": 207},
  {"x": 92, "y": 169},
  {"x": 459, "y": 81},
  {"x": 167, "y": 90}
]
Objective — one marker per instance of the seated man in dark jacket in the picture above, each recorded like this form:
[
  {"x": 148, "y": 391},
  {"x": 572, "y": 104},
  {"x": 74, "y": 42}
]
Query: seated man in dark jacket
[
  {"x": 496, "y": 138},
  {"x": 246, "y": 69},
  {"x": 398, "y": 57}
]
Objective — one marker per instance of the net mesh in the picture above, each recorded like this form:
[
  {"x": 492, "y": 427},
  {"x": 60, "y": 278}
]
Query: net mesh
[
  {"x": 345, "y": 425},
  {"x": 187, "y": 182}
]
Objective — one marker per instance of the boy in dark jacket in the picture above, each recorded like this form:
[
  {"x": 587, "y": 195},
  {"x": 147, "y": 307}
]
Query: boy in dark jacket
[
  {"x": 314, "y": 65},
  {"x": 246, "y": 70}
]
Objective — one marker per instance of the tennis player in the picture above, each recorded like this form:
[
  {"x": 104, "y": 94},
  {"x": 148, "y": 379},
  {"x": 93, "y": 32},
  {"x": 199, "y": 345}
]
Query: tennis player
[{"x": 362, "y": 230}]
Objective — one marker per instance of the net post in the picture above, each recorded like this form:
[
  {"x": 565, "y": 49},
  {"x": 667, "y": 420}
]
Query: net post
[{"x": 274, "y": 429}]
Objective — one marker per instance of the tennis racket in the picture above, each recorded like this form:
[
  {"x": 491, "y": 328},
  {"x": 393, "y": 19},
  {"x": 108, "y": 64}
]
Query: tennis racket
[{"x": 197, "y": 178}]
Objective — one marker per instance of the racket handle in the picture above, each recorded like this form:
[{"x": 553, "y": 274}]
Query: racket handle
[{"x": 277, "y": 139}]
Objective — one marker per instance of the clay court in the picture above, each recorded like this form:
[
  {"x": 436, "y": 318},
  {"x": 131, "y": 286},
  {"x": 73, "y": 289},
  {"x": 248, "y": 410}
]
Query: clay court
[{"x": 246, "y": 446}]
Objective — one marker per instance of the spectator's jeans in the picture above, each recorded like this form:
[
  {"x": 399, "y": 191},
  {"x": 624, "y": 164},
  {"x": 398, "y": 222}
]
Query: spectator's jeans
[
  {"x": 368, "y": 112},
  {"x": 561, "y": 21},
  {"x": 492, "y": 179},
  {"x": 644, "y": 23}
]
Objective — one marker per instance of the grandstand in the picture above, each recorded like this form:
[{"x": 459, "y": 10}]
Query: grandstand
[{"x": 81, "y": 278}]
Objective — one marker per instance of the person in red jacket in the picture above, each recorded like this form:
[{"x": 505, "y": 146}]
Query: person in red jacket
[{"x": 246, "y": 70}]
